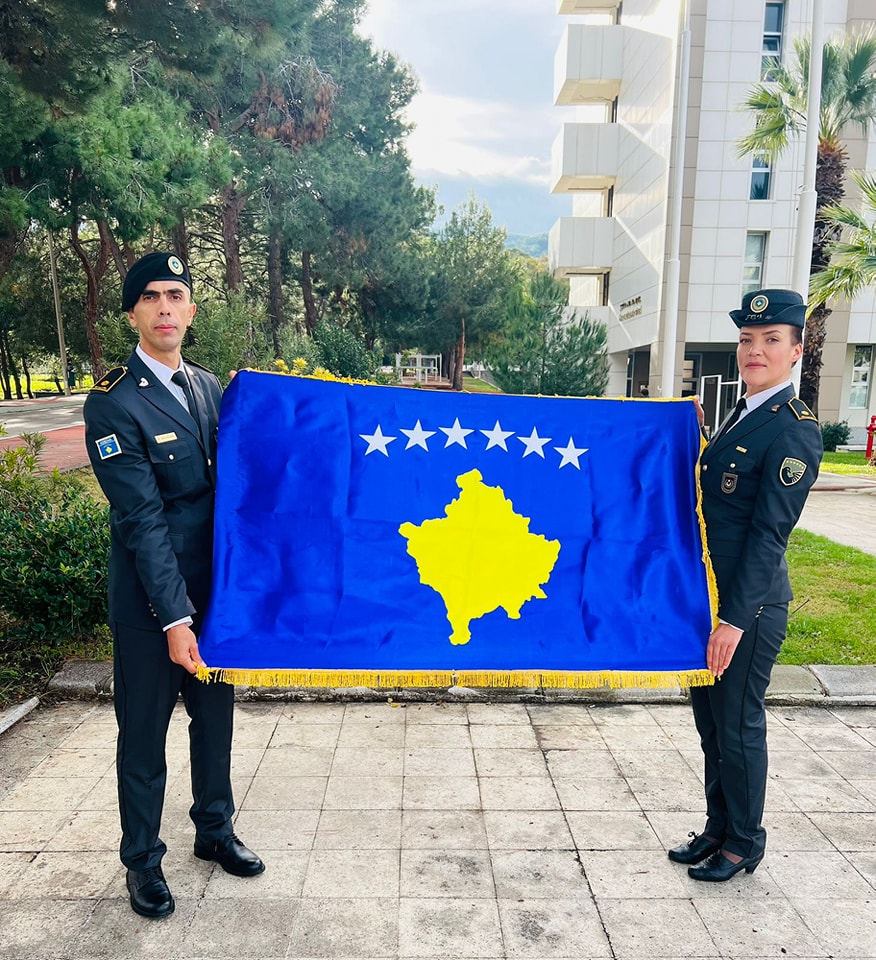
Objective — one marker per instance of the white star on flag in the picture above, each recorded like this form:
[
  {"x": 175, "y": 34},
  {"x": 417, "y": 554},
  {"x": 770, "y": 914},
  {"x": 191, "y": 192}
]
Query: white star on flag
[
  {"x": 497, "y": 436},
  {"x": 456, "y": 434},
  {"x": 570, "y": 454},
  {"x": 377, "y": 441},
  {"x": 534, "y": 443},
  {"x": 417, "y": 437}
]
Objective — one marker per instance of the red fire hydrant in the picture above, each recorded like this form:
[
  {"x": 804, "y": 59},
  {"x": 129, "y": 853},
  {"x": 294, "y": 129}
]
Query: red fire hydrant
[{"x": 871, "y": 431}]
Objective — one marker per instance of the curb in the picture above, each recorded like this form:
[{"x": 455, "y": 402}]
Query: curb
[
  {"x": 14, "y": 714},
  {"x": 816, "y": 685}
]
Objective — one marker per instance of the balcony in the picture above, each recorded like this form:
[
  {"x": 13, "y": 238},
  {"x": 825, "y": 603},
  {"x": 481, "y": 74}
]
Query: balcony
[
  {"x": 571, "y": 7},
  {"x": 589, "y": 64},
  {"x": 585, "y": 157},
  {"x": 581, "y": 246}
]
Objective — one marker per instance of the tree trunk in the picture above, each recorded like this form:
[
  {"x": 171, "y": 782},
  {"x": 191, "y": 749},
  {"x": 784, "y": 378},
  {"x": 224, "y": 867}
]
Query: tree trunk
[
  {"x": 275, "y": 286},
  {"x": 829, "y": 175},
  {"x": 122, "y": 260},
  {"x": 9, "y": 244},
  {"x": 4, "y": 371},
  {"x": 232, "y": 204},
  {"x": 457, "y": 359},
  {"x": 310, "y": 318},
  {"x": 28, "y": 386},
  {"x": 179, "y": 236},
  {"x": 813, "y": 347},
  {"x": 10, "y": 361},
  {"x": 93, "y": 277}
]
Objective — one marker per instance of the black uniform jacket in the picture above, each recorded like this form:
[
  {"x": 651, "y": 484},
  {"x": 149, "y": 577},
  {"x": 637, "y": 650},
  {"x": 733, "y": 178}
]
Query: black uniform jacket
[
  {"x": 755, "y": 480},
  {"x": 159, "y": 476}
]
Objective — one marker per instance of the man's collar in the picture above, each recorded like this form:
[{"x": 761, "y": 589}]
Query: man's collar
[{"x": 162, "y": 372}]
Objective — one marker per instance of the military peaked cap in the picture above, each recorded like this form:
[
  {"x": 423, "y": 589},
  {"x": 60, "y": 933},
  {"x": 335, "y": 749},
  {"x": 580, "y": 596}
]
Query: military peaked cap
[{"x": 762, "y": 307}]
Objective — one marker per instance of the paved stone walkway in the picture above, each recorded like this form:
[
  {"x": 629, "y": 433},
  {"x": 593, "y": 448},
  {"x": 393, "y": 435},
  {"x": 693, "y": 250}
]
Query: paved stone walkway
[{"x": 445, "y": 831}]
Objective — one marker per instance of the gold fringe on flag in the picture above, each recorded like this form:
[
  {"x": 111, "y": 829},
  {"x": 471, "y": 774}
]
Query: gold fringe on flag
[{"x": 497, "y": 679}]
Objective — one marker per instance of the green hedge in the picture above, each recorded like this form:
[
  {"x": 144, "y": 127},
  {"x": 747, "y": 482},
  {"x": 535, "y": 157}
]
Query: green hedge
[{"x": 55, "y": 547}]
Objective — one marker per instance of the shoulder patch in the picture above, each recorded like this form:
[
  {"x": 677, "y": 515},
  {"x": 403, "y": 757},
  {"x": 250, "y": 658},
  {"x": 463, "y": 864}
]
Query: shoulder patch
[
  {"x": 800, "y": 410},
  {"x": 109, "y": 380}
]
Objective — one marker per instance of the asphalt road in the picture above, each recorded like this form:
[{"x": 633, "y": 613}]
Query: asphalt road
[{"x": 39, "y": 416}]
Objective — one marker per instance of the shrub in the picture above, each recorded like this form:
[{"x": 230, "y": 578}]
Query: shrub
[
  {"x": 55, "y": 540},
  {"x": 835, "y": 434},
  {"x": 343, "y": 353}
]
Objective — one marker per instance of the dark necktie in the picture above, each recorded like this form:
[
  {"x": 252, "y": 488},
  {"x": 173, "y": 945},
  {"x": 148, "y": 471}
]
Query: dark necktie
[
  {"x": 181, "y": 380},
  {"x": 734, "y": 417}
]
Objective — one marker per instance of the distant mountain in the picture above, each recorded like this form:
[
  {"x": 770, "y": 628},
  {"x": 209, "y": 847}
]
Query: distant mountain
[{"x": 531, "y": 246}]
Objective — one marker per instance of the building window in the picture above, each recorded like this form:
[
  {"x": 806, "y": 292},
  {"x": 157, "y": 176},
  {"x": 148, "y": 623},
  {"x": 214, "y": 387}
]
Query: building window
[
  {"x": 773, "y": 21},
  {"x": 859, "y": 395},
  {"x": 760, "y": 179},
  {"x": 755, "y": 256}
]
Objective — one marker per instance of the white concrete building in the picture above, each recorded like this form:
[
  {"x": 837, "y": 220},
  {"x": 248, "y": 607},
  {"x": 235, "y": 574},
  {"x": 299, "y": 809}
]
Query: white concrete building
[{"x": 662, "y": 243}]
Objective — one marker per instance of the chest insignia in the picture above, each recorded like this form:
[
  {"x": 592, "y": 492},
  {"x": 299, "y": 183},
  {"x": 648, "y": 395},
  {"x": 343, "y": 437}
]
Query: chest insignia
[
  {"x": 791, "y": 471},
  {"x": 165, "y": 437},
  {"x": 728, "y": 482}
]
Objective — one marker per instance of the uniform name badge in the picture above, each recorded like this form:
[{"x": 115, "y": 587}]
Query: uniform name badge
[
  {"x": 108, "y": 446},
  {"x": 728, "y": 482}
]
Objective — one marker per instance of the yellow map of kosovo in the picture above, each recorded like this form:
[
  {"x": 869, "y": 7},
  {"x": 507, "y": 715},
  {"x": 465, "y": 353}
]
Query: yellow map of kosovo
[{"x": 481, "y": 555}]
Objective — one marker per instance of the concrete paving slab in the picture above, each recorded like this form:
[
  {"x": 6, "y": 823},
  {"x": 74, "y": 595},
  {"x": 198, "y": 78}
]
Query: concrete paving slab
[
  {"x": 421, "y": 870},
  {"x": 839, "y": 681}
]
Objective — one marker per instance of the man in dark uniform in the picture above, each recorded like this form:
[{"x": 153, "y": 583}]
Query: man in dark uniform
[
  {"x": 151, "y": 435},
  {"x": 756, "y": 473}
]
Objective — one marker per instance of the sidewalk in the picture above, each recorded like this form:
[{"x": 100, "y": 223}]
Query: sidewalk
[
  {"x": 445, "y": 830},
  {"x": 452, "y": 827}
]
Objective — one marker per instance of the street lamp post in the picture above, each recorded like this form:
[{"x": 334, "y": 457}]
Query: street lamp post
[
  {"x": 802, "y": 262},
  {"x": 56, "y": 294}
]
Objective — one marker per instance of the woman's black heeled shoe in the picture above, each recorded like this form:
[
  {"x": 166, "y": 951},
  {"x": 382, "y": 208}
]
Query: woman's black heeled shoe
[{"x": 718, "y": 868}]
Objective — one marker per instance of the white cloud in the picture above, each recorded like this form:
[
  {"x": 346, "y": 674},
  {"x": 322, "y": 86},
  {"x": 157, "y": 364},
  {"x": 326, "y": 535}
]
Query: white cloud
[{"x": 460, "y": 136}]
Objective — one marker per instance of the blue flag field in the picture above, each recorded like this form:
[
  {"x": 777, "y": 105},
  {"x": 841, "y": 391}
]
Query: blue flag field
[{"x": 392, "y": 537}]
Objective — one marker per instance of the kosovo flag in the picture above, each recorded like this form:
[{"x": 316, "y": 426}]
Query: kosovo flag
[{"x": 387, "y": 536}]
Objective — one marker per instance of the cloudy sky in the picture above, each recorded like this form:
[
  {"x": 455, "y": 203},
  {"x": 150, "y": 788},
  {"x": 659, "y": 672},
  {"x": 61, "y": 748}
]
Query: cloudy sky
[{"x": 484, "y": 115}]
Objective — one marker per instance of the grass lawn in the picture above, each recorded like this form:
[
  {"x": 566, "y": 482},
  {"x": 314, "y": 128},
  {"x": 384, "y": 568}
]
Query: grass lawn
[
  {"x": 473, "y": 385},
  {"x": 831, "y": 617},
  {"x": 45, "y": 385},
  {"x": 848, "y": 463}
]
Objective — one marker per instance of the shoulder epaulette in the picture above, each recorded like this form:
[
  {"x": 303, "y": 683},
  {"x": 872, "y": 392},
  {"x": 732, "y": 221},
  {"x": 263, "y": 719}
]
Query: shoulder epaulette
[
  {"x": 800, "y": 410},
  {"x": 109, "y": 380}
]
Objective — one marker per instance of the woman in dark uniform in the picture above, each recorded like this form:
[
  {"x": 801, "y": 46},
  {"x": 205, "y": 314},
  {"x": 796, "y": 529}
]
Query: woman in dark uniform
[{"x": 756, "y": 473}]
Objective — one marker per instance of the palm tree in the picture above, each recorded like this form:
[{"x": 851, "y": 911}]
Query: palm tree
[
  {"x": 852, "y": 265},
  {"x": 848, "y": 96}
]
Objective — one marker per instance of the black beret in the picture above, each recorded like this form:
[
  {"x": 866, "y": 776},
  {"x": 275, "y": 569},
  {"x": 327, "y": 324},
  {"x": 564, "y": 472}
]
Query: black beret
[
  {"x": 762, "y": 307},
  {"x": 154, "y": 266}
]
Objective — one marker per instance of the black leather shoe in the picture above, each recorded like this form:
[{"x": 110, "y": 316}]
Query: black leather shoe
[
  {"x": 718, "y": 868},
  {"x": 696, "y": 849},
  {"x": 150, "y": 896},
  {"x": 231, "y": 854}
]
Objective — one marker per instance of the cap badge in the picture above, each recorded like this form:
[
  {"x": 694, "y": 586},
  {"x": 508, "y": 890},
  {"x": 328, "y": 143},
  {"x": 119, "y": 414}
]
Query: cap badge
[
  {"x": 174, "y": 264},
  {"x": 759, "y": 303}
]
